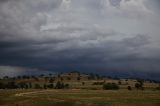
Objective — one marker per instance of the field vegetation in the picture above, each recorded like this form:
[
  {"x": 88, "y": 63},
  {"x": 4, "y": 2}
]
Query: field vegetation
[{"x": 76, "y": 89}]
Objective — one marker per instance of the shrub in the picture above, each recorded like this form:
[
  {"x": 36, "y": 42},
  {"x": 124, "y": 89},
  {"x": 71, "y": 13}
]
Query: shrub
[
  {"x": 98, "y": 83},
  {"x": 36, "y": 79},
  {"x": 129, "y": 88},
  {"x": 22, "y": 85},
  {"x": 2, "y": 85},
  {"x": 139, "y": 85},
  {"x": 110, "y": 86},
  {"x": 62, "y": 79},
  {"x": 83, "y": 83},
  {"x": 50, "y": 86},
  {"x": 78, "y": 78},
  {"x": 8, "y": 85},
  {"x": 45, "y": 86},
  {"x": 11, "y": 85},
  {"x": 68, "y": 78},
  {"x": 37, "y": 86},
  {"x": 93, "y": 88},
  {"x": 46, "y": 79},
  {"x": 59, "y": 85},
  {"x": 157, "y": 88},
  {"x": 119, "y": 82},
  {"x": 66, "y": 86},
  {"x": 51, "y": 80},
  {"x": 30, "y": 85}
]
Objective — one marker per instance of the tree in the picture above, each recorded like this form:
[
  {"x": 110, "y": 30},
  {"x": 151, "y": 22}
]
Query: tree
[
  {"x": 78, "y": 78},
  {"x": 50, "y": 74},
  {"x": 32, "y": 76},
  {"x": 98, "y": 83},
  {"x": 22, "y": 85},
  {"x": 158, "y": 88},
  {"x": 37, "y": 86},
  {"x": 61, "y": 78},
  {"x": 25, "y": 77},
  {"x": 129, "y": 88},
  {"x": 2, "y": 85},
  {"x": 46, "y": 79},
  {"x": 119, "y": 82},
  {"x": 83, "y": 83},
  {"x": 50, "y": 86},
  {"x": 42, "y": 75},
  {"x": 110, "y": 86},
  {"x": 97, "y": 76},
  {"x": 5, "y": 77},
  {"x": 68, "y": 78},
  {"x": 30, "y": 85},
  {"x": 18, "y": 77},
  {"x": 139, "y": 85},
  {"x": 45, "y": 86},
  {"x": 36, "y": 79},
  {"x": 59, "y": 85},
  {"x": 51, "y": 80},
  {"x": 59, "y": 75},
  {"x": 11, "y": 85},
  {"x": 66, "y": 86},
  {"x": 91, "y": 76}
]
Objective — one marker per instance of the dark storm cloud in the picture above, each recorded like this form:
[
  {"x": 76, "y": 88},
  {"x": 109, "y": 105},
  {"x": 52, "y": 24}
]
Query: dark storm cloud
[{"x": 96, "y": 35}]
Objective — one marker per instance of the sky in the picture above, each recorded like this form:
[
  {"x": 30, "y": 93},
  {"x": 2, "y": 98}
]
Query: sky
[{"x": 119, "y": 37}]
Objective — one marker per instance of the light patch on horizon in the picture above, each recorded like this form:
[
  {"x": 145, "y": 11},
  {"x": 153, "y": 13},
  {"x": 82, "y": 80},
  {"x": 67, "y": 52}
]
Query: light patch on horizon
[{"x": 14, "y": 71}]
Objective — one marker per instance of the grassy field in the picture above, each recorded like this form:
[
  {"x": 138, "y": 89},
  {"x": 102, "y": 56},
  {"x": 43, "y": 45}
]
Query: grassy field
[
  {"x": 82, "y": 92},
  {"x": 79, "y": 97}
]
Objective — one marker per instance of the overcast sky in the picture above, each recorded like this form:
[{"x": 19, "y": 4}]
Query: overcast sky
[{"x": 87, "y": 35}]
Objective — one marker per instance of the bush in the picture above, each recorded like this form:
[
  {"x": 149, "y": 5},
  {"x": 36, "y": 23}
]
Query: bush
[
  {"x": 9, "y": 85},
  {"x": 37, "y": 86},
  {"x": 110, "y": 86},
  {"x": 119, "y": 82},
  {"x": 139, "y": 85},
  {"x": 68, "y": 78},
  {"x": 22, "y": 85},
  {"x": 157, "y": 88},
  {"x": 129, "y": 88},
  {"x": 2, "y": 85},
  {"x": 59, "y": 85},
  {"x": 78, "y": 78},
  {"x": 50, "y": 86},
  {"x": 51, "y": 80},
  {"x": 66, "y": 86},
  {"x": 45, "y": 86},
  {"x": 83, "y": 83},
  {"x": 30, "y": 85},
  {"x": 98, "y": 83}
]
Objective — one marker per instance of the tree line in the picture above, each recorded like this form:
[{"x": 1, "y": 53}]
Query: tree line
[{"x": 24, "y": 85}]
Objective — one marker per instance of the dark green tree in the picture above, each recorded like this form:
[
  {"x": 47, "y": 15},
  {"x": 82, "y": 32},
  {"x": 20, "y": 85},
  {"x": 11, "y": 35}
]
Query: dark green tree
[
  {"x": 59, "y": 85},
  {"x": 45, "y": 86},
  {"x": 110, "y": 86},
  {"x": 11, "y": 85},
  {"x": 37, "y": 86},
  {"x": 30, "y": 85},
  {"x": 129, "y": 88},
  {"x": 83, "y": 83},
  {"x": 50, "y": 86}
]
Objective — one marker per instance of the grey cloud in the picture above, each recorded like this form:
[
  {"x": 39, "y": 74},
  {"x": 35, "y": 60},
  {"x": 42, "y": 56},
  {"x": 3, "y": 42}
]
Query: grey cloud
[
  {"x": 115, "y": 2},
  {"x": 89, "y": 35}
]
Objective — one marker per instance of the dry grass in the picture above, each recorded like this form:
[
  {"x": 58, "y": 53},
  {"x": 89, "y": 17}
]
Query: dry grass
[
  {"x": 83, "y": 95},
  {"x": 79, "y": 97}
]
